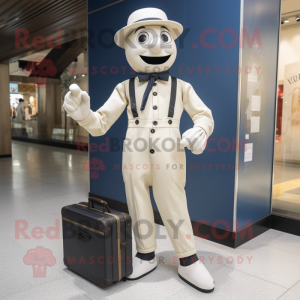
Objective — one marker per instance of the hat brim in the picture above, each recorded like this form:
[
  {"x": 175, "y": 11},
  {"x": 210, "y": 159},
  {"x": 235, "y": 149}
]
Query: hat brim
[{"x": 174, "y": 28}]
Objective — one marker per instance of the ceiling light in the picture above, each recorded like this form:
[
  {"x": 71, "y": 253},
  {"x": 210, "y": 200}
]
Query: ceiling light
[
  {"x": 74, "y": 77},
  {"x": 83, "y": 75},
  {"x": 286, "y": 21},
  {"x": 298, "y": 19}
]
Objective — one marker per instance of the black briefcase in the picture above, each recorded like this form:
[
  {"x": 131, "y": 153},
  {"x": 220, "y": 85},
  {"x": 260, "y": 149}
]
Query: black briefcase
[{"x": 97, "y": 241}]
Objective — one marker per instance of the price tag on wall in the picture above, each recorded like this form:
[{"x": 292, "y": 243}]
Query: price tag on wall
[
  {"x": 248, "y": 152},
  {"x": 255, "y": 103},
  {"x": 255, "y": 122}
]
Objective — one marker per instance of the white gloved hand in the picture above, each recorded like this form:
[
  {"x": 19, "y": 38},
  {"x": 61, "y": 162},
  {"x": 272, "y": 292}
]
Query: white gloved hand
[
  {"x": 77, "y": 103},
  {"x": 195, "y": 140}
]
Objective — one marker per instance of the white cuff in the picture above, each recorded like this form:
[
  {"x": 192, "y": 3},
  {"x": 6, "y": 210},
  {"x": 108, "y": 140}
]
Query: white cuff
[{"x": 87, "y": 120}]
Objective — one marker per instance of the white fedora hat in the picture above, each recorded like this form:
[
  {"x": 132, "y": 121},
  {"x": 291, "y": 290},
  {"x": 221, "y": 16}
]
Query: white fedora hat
[{"x": 144, "y": 17}]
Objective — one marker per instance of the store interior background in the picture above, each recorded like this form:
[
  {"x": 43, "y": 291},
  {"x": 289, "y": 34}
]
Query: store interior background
[
  {"x": 286, "y": 188},
  {"x": 41, "y": 117}
]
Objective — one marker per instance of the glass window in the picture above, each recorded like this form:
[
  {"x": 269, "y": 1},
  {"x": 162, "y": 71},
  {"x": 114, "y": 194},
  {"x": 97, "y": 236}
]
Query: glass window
[{"x": 37, "y": 91}]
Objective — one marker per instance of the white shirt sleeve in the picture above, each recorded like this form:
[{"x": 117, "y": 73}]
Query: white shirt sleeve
[
  {"x": 99, "y": 122},
  {"x": 197, "y": 110}
]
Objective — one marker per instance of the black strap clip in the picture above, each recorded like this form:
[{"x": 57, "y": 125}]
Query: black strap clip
[{"x": 82, "y": 235}]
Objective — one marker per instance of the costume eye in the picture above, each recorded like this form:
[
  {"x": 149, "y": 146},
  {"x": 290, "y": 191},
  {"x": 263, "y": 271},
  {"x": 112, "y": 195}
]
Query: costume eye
[
  {"x": 166, "y": 37},
  {"x": 142, "y": 37}
]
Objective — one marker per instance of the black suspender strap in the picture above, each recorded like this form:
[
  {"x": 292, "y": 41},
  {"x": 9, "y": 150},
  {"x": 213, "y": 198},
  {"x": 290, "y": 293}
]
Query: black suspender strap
[
  {"x": 132, "y": 98},
  {"x": 173, "y": 97}
]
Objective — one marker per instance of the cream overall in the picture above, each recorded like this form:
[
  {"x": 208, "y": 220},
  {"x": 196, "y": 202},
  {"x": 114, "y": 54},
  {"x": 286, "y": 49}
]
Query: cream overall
[{"x": 152, "y": 155}]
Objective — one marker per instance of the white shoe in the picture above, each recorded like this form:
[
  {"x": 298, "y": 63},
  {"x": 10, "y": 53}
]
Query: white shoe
[
  {"x": 142, "y": 267},
  {"x": 197, "y": 276}
]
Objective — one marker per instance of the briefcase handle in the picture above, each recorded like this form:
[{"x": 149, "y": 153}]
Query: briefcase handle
[{"x": 93, "y": 199}]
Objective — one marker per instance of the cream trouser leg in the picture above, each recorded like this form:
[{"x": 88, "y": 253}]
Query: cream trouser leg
[
  {"x": 168, "y": 184},
  {"x": 141, "y": 212},
  {"x": 172, "y": 205},
  {"x": 165, "y": 172},
  {"x": 137, "y": 178}
]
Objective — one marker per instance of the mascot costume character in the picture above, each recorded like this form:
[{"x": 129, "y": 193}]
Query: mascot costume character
[{"x": 154, "y": 101}]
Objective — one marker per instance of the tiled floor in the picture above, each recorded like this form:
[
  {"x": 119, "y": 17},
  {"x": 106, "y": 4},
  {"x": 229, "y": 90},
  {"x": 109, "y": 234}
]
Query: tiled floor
[{"x": 39, "y": 180}]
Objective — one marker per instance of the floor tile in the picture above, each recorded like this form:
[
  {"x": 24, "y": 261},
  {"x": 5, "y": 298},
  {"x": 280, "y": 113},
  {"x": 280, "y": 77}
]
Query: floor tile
[
  {"x": 58, "y": 289},
  {"x": 24, "y": 210},
  {"x": 292, "y": 294},
  {"x": 271, "y": 264},
  {"x": 15, "y": 275},
  {"x": 286, "y": 242}
]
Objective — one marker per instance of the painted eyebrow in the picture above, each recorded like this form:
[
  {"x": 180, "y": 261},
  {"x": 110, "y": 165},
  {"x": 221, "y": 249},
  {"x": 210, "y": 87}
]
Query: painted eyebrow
[
  {"x": 164, "y": 27},
  {"x": 139, "y": 28}
]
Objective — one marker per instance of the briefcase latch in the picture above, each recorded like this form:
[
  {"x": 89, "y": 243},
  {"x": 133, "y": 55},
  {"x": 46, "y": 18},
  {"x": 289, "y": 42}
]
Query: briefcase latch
[{"x": 123, "y": 245}]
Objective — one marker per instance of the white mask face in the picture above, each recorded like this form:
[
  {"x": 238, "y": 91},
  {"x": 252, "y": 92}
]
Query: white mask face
[{"x": 150, "y": 49}]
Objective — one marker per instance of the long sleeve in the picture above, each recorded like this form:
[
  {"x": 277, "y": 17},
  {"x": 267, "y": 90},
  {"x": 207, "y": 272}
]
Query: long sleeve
[
  {"x": 197, "y": 110},
  {"x": 99, "y": 122}
]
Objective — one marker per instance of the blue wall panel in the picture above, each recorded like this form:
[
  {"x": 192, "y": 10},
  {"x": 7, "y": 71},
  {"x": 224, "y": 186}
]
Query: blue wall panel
[{"x": 210, "y": 192}]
